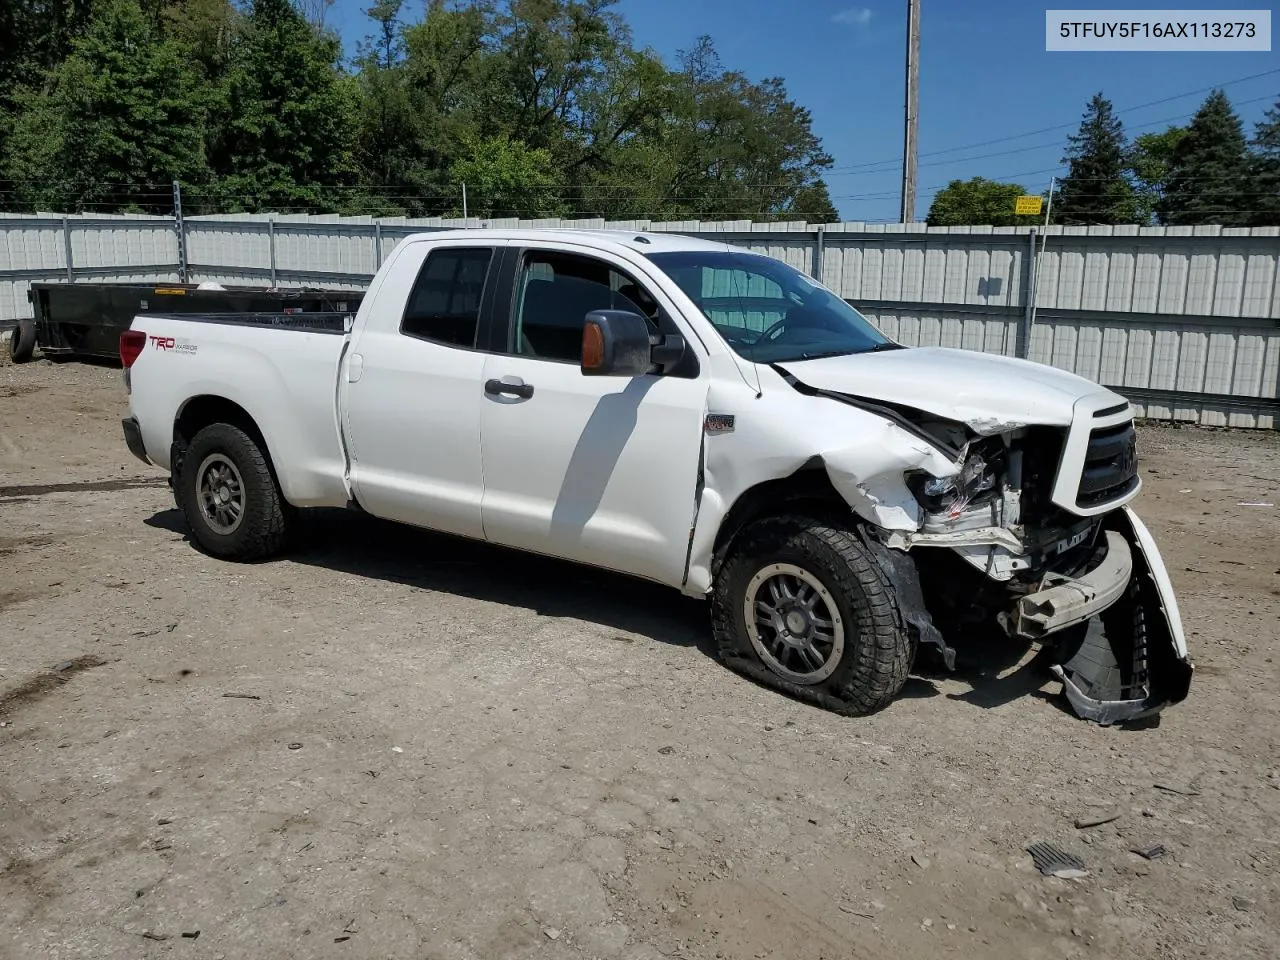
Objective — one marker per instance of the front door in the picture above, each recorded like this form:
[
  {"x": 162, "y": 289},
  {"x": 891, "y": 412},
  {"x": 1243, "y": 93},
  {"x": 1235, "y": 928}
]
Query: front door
[
  {"x": 412, "y": 393},
  {"x": 599, "y": 470}
]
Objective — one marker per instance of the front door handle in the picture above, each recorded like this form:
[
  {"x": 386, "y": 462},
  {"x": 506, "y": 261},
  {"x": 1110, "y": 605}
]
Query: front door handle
[{"x": 512, "y": 385}]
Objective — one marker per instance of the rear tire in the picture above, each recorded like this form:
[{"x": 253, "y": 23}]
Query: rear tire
[
  {"x": 22, "y": 341},
  {"x": 230, "y": 497},
  {"x": 803, "y": 607}
]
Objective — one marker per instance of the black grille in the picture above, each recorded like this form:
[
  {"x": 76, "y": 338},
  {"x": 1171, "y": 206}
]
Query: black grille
[{"x": 1110, "y": 465}]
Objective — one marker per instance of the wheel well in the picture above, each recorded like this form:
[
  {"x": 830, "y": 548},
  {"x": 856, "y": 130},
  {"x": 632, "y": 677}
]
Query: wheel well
[
  {"x": 808, "y": 490},
  {"x": 199, "y": 412}
]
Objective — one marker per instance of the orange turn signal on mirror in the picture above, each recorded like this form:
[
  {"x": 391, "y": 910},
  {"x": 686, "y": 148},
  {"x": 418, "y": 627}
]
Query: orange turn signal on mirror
[{"x": 592, "y": 346}]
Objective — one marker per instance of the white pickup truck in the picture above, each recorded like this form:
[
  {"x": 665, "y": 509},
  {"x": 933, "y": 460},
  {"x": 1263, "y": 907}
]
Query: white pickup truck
[{"x": 695, "y": 414}]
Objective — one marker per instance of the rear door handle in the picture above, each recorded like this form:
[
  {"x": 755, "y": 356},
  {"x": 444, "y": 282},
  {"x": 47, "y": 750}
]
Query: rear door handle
[{"x": 511, "y": 385}]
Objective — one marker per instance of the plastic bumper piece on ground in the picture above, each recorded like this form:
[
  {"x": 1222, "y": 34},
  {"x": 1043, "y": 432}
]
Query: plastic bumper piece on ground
[{"x": 1132, "y": 661}]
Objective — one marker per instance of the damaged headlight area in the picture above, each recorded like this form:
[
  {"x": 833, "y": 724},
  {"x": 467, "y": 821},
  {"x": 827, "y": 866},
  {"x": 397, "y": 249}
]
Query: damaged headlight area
[
  {"x": 980, "y": 508},
  {"x": 946, "y": 498}
]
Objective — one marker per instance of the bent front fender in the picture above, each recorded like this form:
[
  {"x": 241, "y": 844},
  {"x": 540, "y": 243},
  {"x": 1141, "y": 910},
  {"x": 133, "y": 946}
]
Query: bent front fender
[{"x": 1137, "y": 664}]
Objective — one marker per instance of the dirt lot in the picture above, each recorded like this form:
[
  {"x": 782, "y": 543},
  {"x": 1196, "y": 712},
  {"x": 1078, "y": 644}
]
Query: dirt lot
[{"x": 391, "y": 744}]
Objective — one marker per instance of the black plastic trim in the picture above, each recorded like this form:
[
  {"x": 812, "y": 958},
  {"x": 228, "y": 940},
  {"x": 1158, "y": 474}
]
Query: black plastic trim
[
  {"x": 133, "y": 439},
  {"x": 1110, "y": 465}
]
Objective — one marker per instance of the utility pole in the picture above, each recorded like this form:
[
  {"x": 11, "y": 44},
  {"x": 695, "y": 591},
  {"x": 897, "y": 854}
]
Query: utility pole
[
  {"x": 909, "y": 143},
  {"x": 464, "y": 201},
  {"x": 180, "y": 228},
  {"x": 1044, "y": 239}
]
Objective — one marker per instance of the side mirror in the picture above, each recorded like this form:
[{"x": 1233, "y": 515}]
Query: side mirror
[{"x": 616, "y": 343}]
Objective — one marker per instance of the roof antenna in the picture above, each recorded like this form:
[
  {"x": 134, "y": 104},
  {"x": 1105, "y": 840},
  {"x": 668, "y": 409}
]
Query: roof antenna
[{"x": 640, "y": 239}]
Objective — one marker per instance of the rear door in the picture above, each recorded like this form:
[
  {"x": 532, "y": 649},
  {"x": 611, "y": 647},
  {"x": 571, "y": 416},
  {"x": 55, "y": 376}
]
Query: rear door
[
  {"x": 412, "y": 392},
  {"x": 600, "y": 470}
]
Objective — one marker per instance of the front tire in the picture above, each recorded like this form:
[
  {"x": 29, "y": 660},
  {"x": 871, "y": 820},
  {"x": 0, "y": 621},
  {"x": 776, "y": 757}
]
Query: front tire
[
  {"x": 803, "y": 607},
  {"x": 229, "y": 495}
]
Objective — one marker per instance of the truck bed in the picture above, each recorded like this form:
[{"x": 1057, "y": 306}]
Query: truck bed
[
  {"x": 280, "y": 369},
  {"x": 299, "y": 322}
]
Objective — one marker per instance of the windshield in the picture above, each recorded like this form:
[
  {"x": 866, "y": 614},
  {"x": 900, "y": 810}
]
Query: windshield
[{"x": 767, "y": 311}]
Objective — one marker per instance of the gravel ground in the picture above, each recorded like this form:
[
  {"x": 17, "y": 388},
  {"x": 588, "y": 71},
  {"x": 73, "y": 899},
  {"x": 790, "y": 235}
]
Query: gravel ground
[{"x": 390, "y": 744}]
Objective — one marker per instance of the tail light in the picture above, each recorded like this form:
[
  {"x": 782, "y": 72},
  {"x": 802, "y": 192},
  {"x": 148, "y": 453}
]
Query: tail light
[{"x": 131, "y": 344}]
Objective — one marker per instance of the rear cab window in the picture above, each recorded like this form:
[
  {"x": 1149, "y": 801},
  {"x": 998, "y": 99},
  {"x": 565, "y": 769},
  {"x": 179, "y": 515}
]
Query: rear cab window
[{"x": 444, "y": 304}]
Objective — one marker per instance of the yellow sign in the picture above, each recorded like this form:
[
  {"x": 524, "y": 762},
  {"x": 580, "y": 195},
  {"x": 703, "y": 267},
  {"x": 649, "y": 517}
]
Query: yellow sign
[{"x": 1029, "y": 205}]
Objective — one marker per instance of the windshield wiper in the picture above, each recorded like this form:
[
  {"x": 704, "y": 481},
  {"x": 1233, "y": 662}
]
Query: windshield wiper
[{"x": 824, "y": 354}]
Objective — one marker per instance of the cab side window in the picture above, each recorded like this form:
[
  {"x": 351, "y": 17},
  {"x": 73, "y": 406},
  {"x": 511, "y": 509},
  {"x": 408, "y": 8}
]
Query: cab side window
[
  {"x": 554, "y": 294},
  {"x": 444, "y": 305}
]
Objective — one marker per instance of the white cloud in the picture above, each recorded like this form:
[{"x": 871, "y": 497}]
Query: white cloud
[{"x": 854, "y": 16}]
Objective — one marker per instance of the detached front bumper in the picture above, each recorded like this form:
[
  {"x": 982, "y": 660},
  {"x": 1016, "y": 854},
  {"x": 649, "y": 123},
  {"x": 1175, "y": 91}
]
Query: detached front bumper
[
  {"x": 1067, "y": 601},
  {"x": 1132, "y": 660}
]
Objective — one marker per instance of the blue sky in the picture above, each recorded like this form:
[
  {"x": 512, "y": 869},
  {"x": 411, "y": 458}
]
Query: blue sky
[{"x": 984, "y": 75}]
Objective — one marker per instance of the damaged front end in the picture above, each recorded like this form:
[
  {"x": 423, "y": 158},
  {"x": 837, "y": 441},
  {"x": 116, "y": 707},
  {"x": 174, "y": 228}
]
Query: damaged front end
[
  {"x": 1045, "y": 513},
  {"x": 1041, "y": 544}
]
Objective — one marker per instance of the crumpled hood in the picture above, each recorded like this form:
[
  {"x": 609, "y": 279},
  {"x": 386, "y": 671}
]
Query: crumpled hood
[{"x": 987, "y": 392}]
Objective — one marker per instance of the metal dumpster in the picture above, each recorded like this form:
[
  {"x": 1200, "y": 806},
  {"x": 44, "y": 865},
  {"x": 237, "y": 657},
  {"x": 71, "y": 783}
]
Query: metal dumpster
[{"x": 81, "y": 320}]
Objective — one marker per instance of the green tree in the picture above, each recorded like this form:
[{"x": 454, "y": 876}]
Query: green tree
[
  {"x": 978, "y": 201},
  {"x": 35, "y": 37},
  {"x": 1264, "y": 185},
  {"x": 507, "y": 178},
  {"x": 208, "y": 29},
  {"x": 634, "y": 138},
  {"x": 1095, "y": 189},
  {"x": 1150, "y": 162},
  {"x": 549, "y": 56},
  {"x": 390, "y": 43},
  {"x": 387, "y": 134},
  {"x": 483, "y": 91},
  {"x": 288, "y": 136},
  {"x": 811, "y": 203},
  {"x": 1209, "y": 179},
  {"x": 419, "y": 107},
  {"x": 118, "y": 120},
  {"x": 615, "y": 162},
  {"x": 730, "y": 148}
]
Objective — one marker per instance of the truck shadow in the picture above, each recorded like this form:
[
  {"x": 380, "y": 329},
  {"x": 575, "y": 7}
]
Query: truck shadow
[
  {"x": 999, "y": 671},
  {"x": 357, "y": 544},
  {"x": 360, "y": 545}
]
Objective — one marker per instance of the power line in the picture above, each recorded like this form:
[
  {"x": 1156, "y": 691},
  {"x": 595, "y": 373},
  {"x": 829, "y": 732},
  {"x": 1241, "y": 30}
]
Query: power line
[
  {"x": 1065, "y": 126},
  {"x": 1045, "y": 146}
]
